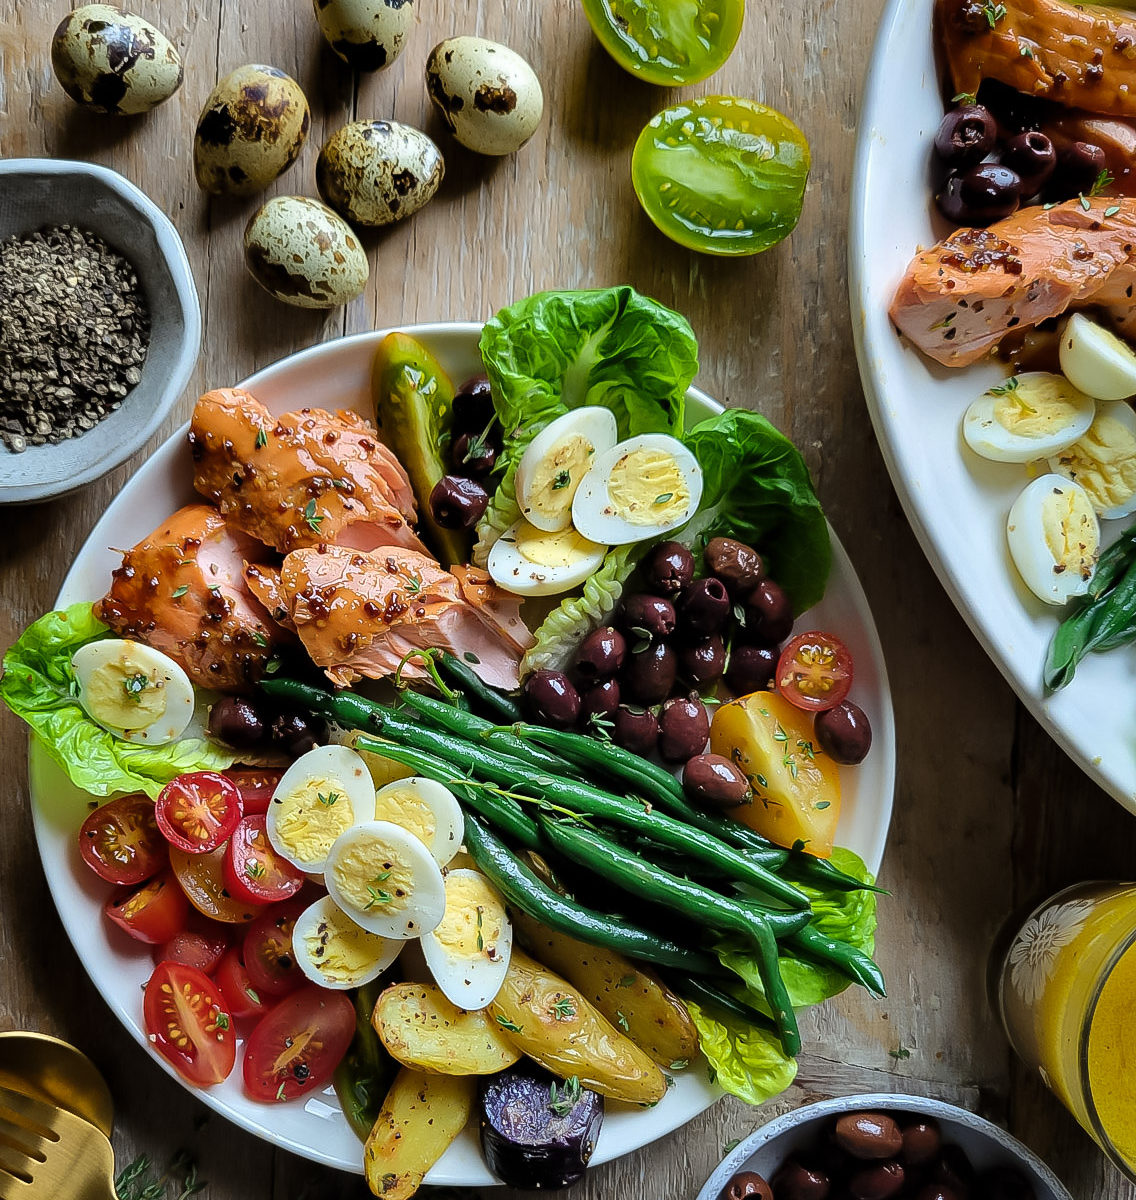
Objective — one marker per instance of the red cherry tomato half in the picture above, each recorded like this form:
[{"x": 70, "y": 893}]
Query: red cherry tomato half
[
  {"x": 202, "y": 878},
  {"x": 244, "y": 1002},
  {"x": 267, "y": 951},
  {"x": 298, "y": 1045},
  {"x": 197, "y": 812},
  {"x": 255, "y": 785},
  {"x": 814, "y": 671},
  {"x": 151, "y": 913},
  {"x": 254, "y": 872},
  {"x": 202, "y": 946},
  {"x": 120, "y": 841},
  {"x": 188, "y": 1024}
]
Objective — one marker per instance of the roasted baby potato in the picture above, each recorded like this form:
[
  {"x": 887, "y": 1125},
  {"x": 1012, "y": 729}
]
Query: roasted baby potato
[
  {"x": 424, "y": 1031},
  {"x": 420, "y": 1117},
  {"x": 547, "y": 1018}
]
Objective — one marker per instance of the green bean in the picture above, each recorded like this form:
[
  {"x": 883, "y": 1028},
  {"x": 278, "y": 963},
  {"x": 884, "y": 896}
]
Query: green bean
[
  {"x": 701, "y": 991},
  {"x": 847, "y": 959},
  {"x": 469, "y": 681}
]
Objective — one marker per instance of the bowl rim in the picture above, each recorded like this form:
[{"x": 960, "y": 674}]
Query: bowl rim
[
  {"x": 887, "y": 1101},
  {"x": 182, "y": 366}
]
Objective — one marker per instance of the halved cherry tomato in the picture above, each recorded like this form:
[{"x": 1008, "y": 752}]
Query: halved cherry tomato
[
  {"x": 202, "y": 945},
  {"x": 255, "y": 785},
  {"x": 298, "y": 1045},
  {"x": 189, "y": 1025},
  {"x": 120, "y": 841},
  {"x": 268, "y": 955},
  {"x": 254, "y": 872},
  {"x": 152, "y": 913},
  {"x": 197, "y": 812},
  {"x": 814, "y": 671},
  {"x": 243, "y": 1000},
  {"x": 202, "y": 878}
]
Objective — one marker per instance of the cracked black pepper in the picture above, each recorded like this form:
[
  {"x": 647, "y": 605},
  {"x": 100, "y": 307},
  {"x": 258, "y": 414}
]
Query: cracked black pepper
[{"x": 74, "y": 330}]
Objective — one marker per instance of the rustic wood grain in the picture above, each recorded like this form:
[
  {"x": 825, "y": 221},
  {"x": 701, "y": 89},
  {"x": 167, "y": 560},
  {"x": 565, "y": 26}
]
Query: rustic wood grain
[{"x": 988, "y": 814}]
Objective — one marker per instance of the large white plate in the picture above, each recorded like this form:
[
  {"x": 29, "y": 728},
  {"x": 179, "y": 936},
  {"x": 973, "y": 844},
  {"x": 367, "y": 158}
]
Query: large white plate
[
  {"x": 957, "y": 502},
  {"x": 337, "y": 374}
]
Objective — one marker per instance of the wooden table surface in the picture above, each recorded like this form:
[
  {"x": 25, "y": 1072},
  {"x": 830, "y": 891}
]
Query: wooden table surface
[{"x": 988, "y": 813}]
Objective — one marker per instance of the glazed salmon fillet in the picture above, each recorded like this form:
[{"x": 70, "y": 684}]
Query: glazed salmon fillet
[
  {"x": 307, "y": 477},
  {"x": 359, "y": 613},
  {"x": 960, "y": 298},
  {"x": 182, "y": 591}
]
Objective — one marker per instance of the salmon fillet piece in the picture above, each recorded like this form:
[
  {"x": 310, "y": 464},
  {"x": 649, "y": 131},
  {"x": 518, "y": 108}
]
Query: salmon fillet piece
[
  {"x": 961, "y": 297},
  {"x": 182, "y": 591},
  {"x": 307, "y": 477}
]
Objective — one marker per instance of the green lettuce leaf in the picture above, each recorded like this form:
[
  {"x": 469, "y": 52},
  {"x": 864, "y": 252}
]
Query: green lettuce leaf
[
  {"x": 747, "y": 1060},
  {"x": 756, "y": 488},
  {"x": 39, "y": 686}
]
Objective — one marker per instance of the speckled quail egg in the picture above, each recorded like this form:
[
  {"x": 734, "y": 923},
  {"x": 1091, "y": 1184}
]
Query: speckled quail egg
[
  {"x": 366, "y": 34},
  {"x": 489, "y": 97},
  {"x": 1054, "y": 537},
  {"x": 468, "y": 951},
  {"x": 250, "y": 131},
  {"x": 133, "y": 690},
  {"x": 304, "y": 254},
  {"x": 377, "y": 172},
  {"x": 1027, "y": 417},
  {"x": 1103, "y": 461},
  {"x": 114, "y": 61},
  {"x": 335, "y": 952}
]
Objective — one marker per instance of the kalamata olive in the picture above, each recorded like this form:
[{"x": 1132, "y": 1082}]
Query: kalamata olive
[
  {"x": 684, "y": 728},
  {"x": 868, "y": 1135},
  {"x": 703, "y": 662},
  {"x": 981, "y": 195},
  {"x": 473, "y": 405},
  {"x": 712, "y": 781},
  {"x": 844, "y": 733},
  {"x": 552, "y": 699},
  {"x": 649, "y": 674},
  {"x": 881, "y": 1181},
  {"x": 1079, "y": 166},
  {"x": 954, "y": 1169},
  {"x": 297, "y": 732},
  {"x": 237, "y": 722},
  {"x": 737, "y": 565},
  {"x": 768, "y": 613},
  {"x": 458, "y": 503},
  {"x": 648, "y": 617},
  {"x": 750, "y": 669},
  {"x": 703, "y": 607},
  {"x": 796, "y": 1180},
  {"x": 601, "y": 653},
  {"x": 1004, "y": 1183},
  {"x": 473, "y": 455},
  {"x": 966, "y": 135},
  {"x": 599, "y": 702},
  {"x": 747, "y": 1185},
  {"x": 635, "y": 729},
  {"x": 922, "y": 1139},
  {"x": 1032, "y": 156},
  {"x": 669, "y": 568}
]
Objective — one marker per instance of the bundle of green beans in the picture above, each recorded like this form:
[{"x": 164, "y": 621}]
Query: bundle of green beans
[{"x": 533, "y": 788}]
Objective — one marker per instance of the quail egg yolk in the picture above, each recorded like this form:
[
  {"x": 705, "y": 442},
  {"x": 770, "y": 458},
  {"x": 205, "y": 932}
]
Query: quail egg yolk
[
  {"x": 1070, "y": 531},
  {"x": 473, "y": 920},
  {"x": 373, "y": 879},
  {"x": 1103, "y": 462},
  {"x": 340, "y": 949},
  {"x": 124, "y": 695},
  {"x": 310, "y": 817},
  {"x": 1036, "y": 410},
  {"x": 558, "y": 475},
  {"x": 408, "y": 809},
  {"x": 552, "y": 549},
  {"x": 646, "y": 487}
]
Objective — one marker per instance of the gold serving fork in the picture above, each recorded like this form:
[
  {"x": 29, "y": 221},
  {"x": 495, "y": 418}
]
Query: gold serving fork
[{"x": 48, "y": 1153}]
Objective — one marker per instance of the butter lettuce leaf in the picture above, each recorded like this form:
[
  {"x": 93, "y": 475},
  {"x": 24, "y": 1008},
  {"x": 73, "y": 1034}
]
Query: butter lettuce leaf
[
  {"x": 746, "y": 1060},
  {"x": 39, "y": 686}
]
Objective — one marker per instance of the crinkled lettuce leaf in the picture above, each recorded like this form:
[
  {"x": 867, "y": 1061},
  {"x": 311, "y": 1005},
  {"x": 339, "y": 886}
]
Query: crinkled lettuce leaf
[
  {"x": 746, "y": 1060},
  {"x": 39, "y": 686},
  {"x": 756, "y": 488}
]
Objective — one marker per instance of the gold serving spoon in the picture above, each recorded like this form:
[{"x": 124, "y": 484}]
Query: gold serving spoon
[{"x": 53, "y": 1071}]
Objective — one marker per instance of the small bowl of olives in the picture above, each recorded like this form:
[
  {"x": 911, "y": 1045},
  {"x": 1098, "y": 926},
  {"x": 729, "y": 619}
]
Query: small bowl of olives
[{"x": 881, "y": 1146}]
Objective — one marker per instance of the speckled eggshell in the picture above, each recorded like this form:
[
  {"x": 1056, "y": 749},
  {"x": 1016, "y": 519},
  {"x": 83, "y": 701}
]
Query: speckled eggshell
[
  {"x": 114, "y": 61},
  {"x": 250, "y": 131},
  {"x": 366, "y": 34},
  {"x": 377, "y": 172},
  {"x": 304, "y": 254},
  {"x": 489, "y": 97}
]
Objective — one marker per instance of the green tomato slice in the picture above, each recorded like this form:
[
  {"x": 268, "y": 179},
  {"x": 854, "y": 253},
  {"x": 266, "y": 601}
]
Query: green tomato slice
[
  {"x": 668, "y": 42},
  {"x": 722, "y": 175}
]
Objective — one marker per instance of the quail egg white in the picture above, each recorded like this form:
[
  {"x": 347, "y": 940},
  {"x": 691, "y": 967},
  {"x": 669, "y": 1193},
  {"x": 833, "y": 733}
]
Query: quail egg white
[
  {"x": 385, "y": 879},
  {"x": 136, "y": 692},
  {"x": 426, "y": 809},
  {"x": 322, "y": 793},
  {"x": 1103, "y": 461},
  {"x": 335, "y": 951},
  {"x": 1028, "y": 417},
  {"x": 366, "y": 34},
  {"x": 1054, "y": 537},
  {"x": 1096, "y": 360},
  {"x": 530, "y": 562},
  {"x": 555, "y": 462},
  {"x": 645, "y": 486},
  {"x": 468, "y": 951}
]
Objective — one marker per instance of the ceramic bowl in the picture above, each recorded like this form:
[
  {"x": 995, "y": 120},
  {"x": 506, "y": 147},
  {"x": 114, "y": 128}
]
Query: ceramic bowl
[
  {"x": 38, "y": 192},
  {"x": 986, "y": 1145}
]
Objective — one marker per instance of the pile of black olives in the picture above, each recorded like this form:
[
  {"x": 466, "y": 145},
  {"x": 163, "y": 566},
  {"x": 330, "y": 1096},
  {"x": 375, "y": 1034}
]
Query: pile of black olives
[
  {"x": 248, "y": 724},
  {"x": 881, "y": 1156},
  {"x": 459, "y": 500}
]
